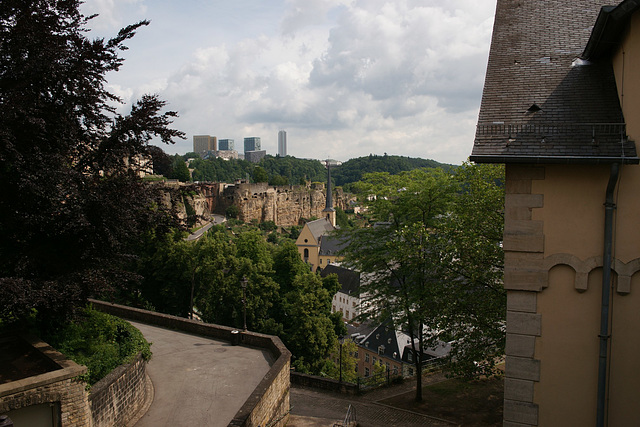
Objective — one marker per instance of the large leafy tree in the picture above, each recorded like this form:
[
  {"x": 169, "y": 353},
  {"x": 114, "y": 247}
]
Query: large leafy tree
[
  {"x": 71, "y": 204},
  {"x": 434, "y": 262}
]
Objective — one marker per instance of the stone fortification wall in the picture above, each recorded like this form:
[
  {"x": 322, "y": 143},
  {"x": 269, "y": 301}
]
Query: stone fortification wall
[
  {"x": 285, "y": 205},
  {"x": 118, "y": 397}
]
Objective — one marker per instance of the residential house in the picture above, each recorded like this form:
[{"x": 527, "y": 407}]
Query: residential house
[
  {"x": 347, "y": 299},
  {"x": 559, "y": 109}
]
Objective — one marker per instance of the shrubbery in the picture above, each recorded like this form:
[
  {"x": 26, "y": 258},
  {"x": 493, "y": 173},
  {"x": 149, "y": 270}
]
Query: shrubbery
[{"x": 101, "y": 342}]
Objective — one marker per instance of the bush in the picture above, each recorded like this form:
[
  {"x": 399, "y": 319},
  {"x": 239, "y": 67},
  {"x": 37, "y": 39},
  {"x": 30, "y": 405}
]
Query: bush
[{"x": 101, "y": 342}]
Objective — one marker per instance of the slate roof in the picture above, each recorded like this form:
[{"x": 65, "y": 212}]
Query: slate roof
[
  {"x": 541, "y": 102},
  {"x": 331, "y": 245},
  {"x": 349, "y": 279},
  {"x": 320, "y": 227}
]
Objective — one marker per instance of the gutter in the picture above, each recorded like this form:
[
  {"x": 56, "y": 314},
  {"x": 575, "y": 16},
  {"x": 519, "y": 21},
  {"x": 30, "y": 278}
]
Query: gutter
[
  {"x": 575, "y": 160},
  {"x": 610, "y": 207}
]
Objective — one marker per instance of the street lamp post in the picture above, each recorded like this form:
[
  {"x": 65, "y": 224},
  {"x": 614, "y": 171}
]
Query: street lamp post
[
  {"x": 244, "y": 301},
  {"x": 341, "y": 340}
]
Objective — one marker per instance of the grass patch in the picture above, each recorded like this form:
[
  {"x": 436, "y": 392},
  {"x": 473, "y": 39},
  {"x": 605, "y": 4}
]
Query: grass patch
[
  {"x": 468, "y": 403},
  {"x": 99, "y": 341}
]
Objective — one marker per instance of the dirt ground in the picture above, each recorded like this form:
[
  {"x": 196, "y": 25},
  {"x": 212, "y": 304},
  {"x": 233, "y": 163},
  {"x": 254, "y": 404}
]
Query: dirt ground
[{"x": 475, "y": 403}]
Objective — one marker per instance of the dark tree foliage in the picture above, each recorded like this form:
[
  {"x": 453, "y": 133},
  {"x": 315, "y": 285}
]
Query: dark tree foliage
[
  {"x": 162, "y": 163},
  {"x": 354, "y": 169},
  {"x": 283, "y": 296},
  {"x": 179, "y": 170},
  {"x": 220, "y": 170},
  {"x": 71, "y": 203},
  {"x": 285, "y": 170}
]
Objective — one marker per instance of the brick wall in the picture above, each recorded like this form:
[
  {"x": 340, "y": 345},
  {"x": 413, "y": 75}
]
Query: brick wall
[
  {"x": 269, "y": 402},
  {"x": 116, "y": 398}
]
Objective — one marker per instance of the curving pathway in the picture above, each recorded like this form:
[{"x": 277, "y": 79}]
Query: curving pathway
[{"x": 198, "y": 381}]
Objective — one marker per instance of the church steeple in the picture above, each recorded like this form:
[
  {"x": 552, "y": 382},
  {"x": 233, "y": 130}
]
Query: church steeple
[{"x": 329, "y": 211}]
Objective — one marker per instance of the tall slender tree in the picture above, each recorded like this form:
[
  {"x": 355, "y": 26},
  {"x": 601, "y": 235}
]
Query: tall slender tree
[{"x": 433, "y": 261}]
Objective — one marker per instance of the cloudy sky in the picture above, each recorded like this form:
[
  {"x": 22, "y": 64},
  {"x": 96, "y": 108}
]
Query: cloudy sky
[{"x": 344, "y": 78}]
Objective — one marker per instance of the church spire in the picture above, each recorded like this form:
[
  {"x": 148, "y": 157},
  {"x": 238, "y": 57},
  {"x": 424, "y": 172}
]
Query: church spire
[{"x": 329, "y": 211}]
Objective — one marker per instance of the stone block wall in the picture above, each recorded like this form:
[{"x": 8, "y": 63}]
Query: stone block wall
[
  {"x": 116, "y": 399},
  {"x": 524, "y": 277},
  {"x": 59, "y": 386},
  {"x": 323, "y": 383}
]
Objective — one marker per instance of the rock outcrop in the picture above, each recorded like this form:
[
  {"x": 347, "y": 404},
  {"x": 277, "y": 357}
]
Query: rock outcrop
[{"x": 284, "y": 205}]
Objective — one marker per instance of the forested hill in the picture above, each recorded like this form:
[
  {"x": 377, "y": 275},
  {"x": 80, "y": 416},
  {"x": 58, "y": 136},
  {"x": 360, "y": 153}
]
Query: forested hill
[
  {"x": 291, "y": 170},
  {"x": 352, "y": 170}
]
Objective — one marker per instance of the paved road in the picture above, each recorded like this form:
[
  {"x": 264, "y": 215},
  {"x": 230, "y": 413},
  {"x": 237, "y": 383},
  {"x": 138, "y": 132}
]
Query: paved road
[
  {"x": 215, "y": 220},
  {"x": 198, "y": 381}
]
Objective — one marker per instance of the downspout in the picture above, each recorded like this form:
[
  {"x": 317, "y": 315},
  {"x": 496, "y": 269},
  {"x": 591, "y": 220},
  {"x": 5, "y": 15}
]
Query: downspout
[{"x": 610, "y": 206}]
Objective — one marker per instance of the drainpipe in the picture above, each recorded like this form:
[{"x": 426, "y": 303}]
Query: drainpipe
[{"x": 610, "y": 206}]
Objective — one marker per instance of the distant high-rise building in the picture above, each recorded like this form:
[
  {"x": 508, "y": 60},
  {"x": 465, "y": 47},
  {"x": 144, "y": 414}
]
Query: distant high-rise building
[
  {"x": 226, "y": 145},
  {"x": 252, "y": 143},
  {"x": 204, "y": 143},
  {"x": 282, "y": 143}
]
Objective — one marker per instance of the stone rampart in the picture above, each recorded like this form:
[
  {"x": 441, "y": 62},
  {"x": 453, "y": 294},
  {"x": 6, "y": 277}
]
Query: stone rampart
[{"x": 117, "y": 398}]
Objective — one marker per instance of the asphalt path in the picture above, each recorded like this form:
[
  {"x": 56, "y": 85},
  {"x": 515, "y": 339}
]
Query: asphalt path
[
  {"x": 215, "y": 220},
  {"x": 198, "y": 381}
]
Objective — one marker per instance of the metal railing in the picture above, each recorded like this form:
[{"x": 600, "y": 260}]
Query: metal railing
[{"x": 350, "y": 419}]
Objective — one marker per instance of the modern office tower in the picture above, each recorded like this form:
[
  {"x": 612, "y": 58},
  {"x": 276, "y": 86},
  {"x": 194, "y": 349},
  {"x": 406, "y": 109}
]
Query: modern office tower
[
  {"x": 226, "y": 145},
  {"x": 282, "y": 143},
  {"x": 204, "y": 143},
  {"x": 252, "y": 143}
]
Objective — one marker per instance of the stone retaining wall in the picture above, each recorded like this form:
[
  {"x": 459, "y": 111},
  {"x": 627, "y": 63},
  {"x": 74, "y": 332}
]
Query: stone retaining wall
[
  {"x": 115, "y": 399},
  {"x": 323, "y": 383},
  {"x": 269, "y": 402},
  {"x": 60, "y": 388}
]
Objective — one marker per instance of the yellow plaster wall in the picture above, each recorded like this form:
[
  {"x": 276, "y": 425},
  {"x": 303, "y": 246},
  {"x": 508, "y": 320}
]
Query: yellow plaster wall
[
  {"x": 307, "y": 241},
  {"x": 573, "y": 215}
]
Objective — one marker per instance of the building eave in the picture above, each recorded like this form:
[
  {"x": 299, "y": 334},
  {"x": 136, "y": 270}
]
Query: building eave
[{"x": 574, "y": 160}]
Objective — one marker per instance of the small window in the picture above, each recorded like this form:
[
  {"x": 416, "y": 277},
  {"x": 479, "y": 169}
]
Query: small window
[
  {"x": 395, "y": 370},
  {"x": 347, "y": 314},
  {"x": 377, "y": 336},
  {"x": 355, "y": 354},
  {"x": 366, "y": 372},
  {"x": 375, "y": 359},
  {"x": 366, "y": 357},
  {"x": 410, "y": 357},
  {"x": 381, "y": 349},
  {"x": 320, "y": 260}
]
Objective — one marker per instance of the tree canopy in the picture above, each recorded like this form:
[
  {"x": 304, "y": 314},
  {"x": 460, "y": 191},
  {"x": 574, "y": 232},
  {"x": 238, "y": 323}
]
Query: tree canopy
[
  {"x": 283, "y": 297},
  {"x": 72, "y": 205},
  {"x": 434, "y": 261}
]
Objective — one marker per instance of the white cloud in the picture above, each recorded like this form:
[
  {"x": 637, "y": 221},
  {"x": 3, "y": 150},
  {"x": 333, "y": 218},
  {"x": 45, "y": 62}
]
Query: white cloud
[{"x": 344, "y": 77}]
